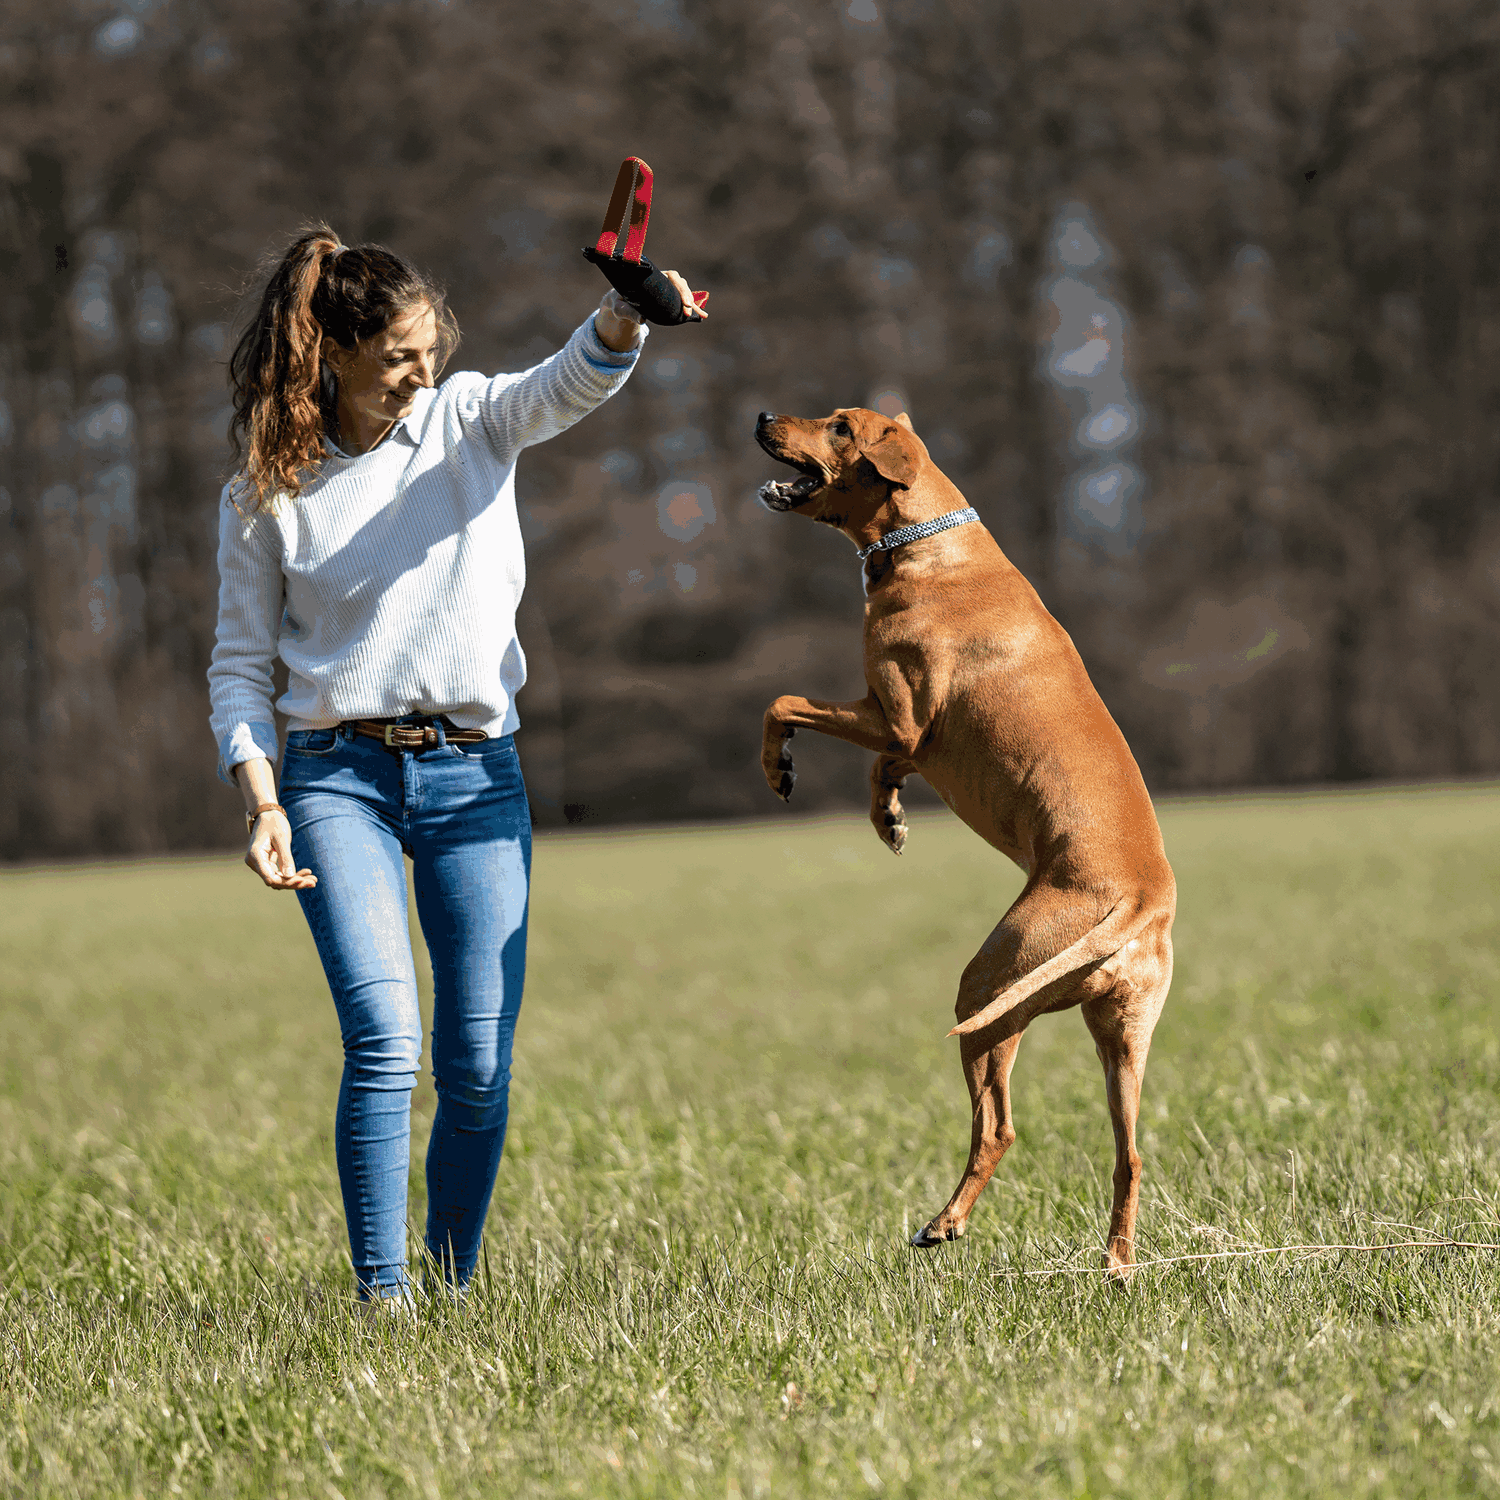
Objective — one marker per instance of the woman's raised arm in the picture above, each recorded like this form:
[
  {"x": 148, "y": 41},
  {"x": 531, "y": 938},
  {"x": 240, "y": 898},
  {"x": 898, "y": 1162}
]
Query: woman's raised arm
[{"x": 516, "y": 410}]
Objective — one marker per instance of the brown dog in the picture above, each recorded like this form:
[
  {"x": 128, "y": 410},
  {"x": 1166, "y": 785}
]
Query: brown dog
[{"x": 976, "y": 686}]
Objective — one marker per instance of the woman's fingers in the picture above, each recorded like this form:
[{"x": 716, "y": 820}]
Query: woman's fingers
[
  {"x": 259, "y": 860},
  {"x": 689, "y": 303},
  {"x": 270, "y": 856},
  {"x": 292, "y": 879}
]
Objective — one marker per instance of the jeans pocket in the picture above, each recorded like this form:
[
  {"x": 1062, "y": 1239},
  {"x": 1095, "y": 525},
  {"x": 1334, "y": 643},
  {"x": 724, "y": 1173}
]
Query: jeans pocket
[
  {"x": 498, "y": 757},
  {"x": 312, "y": 742},
  {"x": 484, "y": 750}
]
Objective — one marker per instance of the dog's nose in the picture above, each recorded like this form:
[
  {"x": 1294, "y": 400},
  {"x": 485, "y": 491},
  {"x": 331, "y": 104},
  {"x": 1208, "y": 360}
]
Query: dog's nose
[{"x": 765, "y": 419}]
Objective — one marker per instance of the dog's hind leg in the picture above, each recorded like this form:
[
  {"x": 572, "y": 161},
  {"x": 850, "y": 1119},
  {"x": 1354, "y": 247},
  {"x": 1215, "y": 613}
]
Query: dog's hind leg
[
  {"x": 1121, "y": 1020},
  {"x": 1042, "y": 922},
  {"x": 987, "y": 1068},
  {"x": 887, "y": 777}
]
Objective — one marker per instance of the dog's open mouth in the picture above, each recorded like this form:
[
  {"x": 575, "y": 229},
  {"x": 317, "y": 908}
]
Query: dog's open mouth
[{"x": 784, "y": 494}]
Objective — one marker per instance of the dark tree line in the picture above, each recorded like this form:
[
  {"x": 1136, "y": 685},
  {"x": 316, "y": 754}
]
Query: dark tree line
[{"x": 1196, "y": 303}]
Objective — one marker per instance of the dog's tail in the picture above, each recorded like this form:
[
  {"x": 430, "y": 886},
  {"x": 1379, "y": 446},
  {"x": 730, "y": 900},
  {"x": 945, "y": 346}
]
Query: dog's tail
[{"x": 1103, "y": 940}]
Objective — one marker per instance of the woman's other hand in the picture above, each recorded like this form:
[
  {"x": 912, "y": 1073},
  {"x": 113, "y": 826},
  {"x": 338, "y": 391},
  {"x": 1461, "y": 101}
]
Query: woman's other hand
[
  {"x": 270, "y": 855},
  {"x": 270, "y": 851}
]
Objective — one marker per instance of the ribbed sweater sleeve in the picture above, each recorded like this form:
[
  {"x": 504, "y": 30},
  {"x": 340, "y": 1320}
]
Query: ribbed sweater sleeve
[
  {"x": 514, "y": 411},
  {"x": 251, "y": 598}
]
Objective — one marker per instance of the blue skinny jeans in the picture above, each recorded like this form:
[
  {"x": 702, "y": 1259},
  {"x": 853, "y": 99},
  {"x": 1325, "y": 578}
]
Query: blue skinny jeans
[{"x": 460, "y": 813}]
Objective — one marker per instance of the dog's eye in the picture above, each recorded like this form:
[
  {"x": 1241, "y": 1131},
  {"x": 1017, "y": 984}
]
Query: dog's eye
[{"x": 841, "y": 428}]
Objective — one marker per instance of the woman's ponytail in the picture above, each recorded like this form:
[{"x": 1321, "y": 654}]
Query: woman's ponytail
[{"x": 285, "y": 398}]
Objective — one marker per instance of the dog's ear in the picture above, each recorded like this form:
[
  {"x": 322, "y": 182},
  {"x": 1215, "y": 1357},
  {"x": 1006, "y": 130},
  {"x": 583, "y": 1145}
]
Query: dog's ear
[
  {"x": 905, "y": 421},
  {"x": 893, "y": 448}
]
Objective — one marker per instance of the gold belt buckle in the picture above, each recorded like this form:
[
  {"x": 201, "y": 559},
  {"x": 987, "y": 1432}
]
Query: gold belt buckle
[{"x": 390, "y": 729}]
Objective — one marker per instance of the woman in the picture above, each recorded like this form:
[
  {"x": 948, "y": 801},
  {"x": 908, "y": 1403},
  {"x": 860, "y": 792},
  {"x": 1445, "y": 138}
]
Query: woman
[{"x": 371, "y": 542}]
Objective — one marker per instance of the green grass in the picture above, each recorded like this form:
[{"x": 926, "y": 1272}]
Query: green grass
[{"x": 733, "y": 1100}]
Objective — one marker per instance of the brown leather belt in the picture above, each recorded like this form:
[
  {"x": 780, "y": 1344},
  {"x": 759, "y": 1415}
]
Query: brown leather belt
[{"x": 396, "y": 735}]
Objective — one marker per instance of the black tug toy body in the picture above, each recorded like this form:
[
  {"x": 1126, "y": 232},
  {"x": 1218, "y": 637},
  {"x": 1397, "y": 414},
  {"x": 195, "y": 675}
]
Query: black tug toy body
[{"x": 618, "y": 251}]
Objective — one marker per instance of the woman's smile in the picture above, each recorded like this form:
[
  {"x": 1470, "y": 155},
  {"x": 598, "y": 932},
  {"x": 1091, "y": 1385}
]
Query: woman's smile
[{"x": 406, "y": 351}]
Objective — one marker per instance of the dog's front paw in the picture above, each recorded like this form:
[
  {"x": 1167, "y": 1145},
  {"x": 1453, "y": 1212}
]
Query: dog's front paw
[
  {"x": 776, "y": 760},
  {"x": 890, "y": 824},
  {"x": 887, "y": 816}
]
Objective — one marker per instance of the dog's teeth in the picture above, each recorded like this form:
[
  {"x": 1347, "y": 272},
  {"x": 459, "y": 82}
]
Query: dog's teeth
[{"x": 782, "y": 494}]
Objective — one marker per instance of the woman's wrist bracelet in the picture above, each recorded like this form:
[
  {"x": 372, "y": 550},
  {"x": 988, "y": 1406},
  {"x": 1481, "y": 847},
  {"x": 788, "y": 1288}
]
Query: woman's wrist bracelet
[{"x": 263, "y": 807}]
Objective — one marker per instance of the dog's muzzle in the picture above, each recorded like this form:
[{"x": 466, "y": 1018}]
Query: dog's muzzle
[{"x": 781, "y": 494}]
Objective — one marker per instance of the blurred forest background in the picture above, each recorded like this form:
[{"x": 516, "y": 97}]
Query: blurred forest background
[{"x": 1196, "y": 302}]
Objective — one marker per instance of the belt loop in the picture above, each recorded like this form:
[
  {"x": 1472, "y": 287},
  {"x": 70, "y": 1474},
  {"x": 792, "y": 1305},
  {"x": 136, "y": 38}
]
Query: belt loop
[{"x": 442, "y": 739}]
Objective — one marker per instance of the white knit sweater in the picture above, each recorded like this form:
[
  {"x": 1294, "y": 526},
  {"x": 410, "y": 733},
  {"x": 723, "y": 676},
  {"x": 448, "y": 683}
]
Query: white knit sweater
[{"x": 390, "y": 585}]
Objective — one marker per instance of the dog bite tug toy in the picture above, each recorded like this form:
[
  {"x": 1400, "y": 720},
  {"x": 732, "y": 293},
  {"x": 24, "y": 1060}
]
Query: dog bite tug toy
[{"x": 618, "y": 251}]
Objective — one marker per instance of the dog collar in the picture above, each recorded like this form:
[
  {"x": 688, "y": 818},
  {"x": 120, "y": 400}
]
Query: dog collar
[{"x": 914, "y": 533}]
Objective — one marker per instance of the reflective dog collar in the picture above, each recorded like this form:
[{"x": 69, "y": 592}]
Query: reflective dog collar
[{"x": 904, "y": 534}]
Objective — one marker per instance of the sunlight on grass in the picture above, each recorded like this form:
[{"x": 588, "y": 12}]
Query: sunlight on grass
[{"x": 733, "y": 1100}]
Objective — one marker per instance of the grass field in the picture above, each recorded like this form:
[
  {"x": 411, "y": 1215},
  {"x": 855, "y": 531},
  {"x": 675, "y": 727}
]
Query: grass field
[{"x": 733, "y": 1100}]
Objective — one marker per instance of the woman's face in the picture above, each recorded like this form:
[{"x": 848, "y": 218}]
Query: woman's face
[{"x": 379, "y": 380}]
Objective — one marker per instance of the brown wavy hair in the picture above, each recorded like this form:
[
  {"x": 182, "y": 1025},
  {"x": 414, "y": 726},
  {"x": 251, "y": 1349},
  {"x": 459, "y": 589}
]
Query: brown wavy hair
[{"x": 285, "y": 397}]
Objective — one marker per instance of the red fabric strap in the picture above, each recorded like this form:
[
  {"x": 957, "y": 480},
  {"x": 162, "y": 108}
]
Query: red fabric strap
[{"x": 628, "y": 214}]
